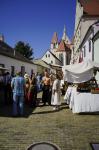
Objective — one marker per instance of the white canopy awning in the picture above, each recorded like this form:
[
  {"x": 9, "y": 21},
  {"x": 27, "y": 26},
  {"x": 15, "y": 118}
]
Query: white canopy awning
[{"x": 78, "y": 73}]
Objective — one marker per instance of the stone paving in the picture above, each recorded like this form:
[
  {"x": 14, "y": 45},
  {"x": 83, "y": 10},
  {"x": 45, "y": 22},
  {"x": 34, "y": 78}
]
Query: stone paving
[{"x": 67, "y": 130}]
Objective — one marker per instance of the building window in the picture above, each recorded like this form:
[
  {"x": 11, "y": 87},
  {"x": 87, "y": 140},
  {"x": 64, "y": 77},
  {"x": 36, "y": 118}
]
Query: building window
[
  {"x": 61, "y": 58},
  {"x": 2, "y": 65},
  {"x": 22, "y": 70},
  {"x": 32, "y": 72},
  {"x": 12, "y": 71},
  {"x": 1, "y": 71},
  {"x": 84, "y": 51},
  {"x": 54, "y": 45},
  {"x": 51, "y": 62},
  {"x": 89, "y": 45},
  {"x": 48, "y": 55},
  {"x": 68, "y": 59}
]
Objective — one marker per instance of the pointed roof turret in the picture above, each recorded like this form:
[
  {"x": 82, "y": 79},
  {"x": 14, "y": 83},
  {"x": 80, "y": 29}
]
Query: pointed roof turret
[
  {"x": 64, "y": 34},
  {"x": 65, "y": 37},
  {"x": 55, "y": 38}
]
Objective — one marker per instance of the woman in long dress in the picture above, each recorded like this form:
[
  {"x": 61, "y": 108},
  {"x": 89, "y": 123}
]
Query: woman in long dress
[
  {"x": 56, "y": 93},
  {"x": 32, "y": 93},
  {"x": 27, "y": 86}
]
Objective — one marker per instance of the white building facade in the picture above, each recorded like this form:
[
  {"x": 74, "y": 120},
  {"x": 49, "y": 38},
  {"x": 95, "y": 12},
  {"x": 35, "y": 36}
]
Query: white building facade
[
  {"x": 87, "y": 13},
  {"x": 50, "y": 58},
  {"x": 14, "y": 61}
]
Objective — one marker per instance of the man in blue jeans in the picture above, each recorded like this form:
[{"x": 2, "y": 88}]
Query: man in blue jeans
[{"x": 18, "y": 86}]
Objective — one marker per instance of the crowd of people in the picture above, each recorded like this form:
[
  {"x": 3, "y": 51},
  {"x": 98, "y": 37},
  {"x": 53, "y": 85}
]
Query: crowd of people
[
  {"x": 5, "y": 87},
  {"x": 23, "y": 90}
]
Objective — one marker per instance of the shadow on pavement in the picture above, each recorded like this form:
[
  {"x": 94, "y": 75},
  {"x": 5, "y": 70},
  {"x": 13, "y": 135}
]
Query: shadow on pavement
[
  {"x": 50, "y": 111},
  {"x": 6, "y": 110},
  {"x": 89, "y": 113}
]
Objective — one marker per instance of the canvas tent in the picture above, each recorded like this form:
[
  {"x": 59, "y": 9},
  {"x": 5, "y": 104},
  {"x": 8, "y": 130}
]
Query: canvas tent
[{"x": 78, "y": 73}]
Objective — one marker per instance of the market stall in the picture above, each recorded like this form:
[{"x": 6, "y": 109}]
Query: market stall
[
  {"x": 81, "y": 72},
  {"x": 83, "y": 94}
]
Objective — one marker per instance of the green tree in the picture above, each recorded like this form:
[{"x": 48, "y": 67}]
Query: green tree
[{"x": 24, "y": 49}]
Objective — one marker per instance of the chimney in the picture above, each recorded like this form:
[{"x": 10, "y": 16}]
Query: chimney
[{"x": 2, "y": 38}]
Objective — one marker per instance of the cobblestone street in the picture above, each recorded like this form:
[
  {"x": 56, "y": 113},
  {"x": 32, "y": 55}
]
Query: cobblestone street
[{"x": 67, "y": 130}]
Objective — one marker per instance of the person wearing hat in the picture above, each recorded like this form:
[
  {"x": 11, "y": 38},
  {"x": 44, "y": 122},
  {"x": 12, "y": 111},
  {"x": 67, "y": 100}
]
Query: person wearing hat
[{"x": 26, "y": 76}]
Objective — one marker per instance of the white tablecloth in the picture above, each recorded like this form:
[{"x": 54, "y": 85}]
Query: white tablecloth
[
  {"x": 67, "y": 96},
  {"x": 82, "y": 102}
]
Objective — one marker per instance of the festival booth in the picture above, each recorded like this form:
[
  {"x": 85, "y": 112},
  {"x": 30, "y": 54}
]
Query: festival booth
[{"x": 83, "y": 93}]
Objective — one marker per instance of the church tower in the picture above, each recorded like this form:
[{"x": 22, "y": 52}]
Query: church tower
[
  {"x": 65, "y": 37},
  {"x": 64, "y": 34},
  {"x": 54, "y": 42}
]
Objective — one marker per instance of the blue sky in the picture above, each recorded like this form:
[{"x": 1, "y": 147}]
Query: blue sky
[{"x": 35, "y": 21}]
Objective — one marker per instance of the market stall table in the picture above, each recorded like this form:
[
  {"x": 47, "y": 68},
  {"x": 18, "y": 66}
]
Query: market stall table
[{"x": 83, "y": 102}]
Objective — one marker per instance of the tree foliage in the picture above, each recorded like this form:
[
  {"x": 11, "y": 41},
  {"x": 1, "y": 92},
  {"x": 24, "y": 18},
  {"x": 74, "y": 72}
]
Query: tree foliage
[{"x": 24, "y": 49}]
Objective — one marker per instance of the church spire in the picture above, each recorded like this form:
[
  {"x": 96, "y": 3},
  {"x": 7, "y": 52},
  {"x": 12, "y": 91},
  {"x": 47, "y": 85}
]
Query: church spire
[
  {"x": 65, "y": 37},
  {"x": 64, "y": 34},
  {"x": 55, "y": 38},
  {"x": 54, "y": 42}
]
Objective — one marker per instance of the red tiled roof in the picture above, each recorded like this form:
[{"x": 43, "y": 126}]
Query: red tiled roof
[
  {"x": 55, "y": 38},
  {"x": 91, "y": 7},
  {"x": 63, "y": 47}
]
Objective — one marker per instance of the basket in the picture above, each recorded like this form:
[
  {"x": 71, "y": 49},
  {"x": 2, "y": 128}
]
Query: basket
[{"x": 95, "y": 91}]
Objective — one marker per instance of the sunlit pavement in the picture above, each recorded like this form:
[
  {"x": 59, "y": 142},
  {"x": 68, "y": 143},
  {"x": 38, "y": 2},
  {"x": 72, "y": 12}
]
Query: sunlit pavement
[{"x": 67, "y": 130}]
